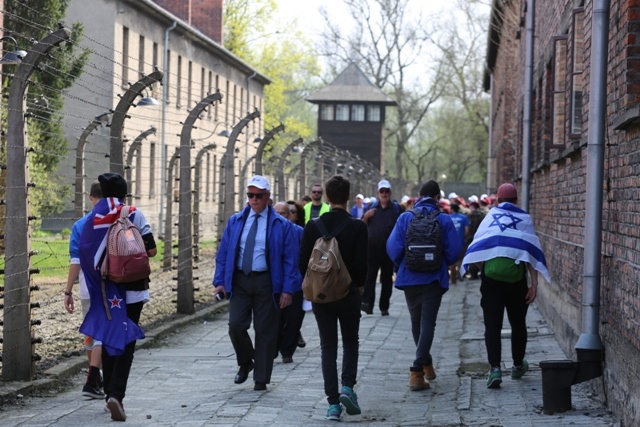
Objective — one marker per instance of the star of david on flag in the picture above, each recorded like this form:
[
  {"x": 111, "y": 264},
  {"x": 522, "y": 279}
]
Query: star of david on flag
[{"x": 506, "y": 231}]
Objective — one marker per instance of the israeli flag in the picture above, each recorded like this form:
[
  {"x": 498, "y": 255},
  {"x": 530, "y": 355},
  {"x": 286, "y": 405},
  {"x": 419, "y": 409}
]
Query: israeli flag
[{"x": 506, "y": 231}]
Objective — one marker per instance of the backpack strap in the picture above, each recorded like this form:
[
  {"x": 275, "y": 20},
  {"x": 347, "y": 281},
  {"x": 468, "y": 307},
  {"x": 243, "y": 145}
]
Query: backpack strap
[{"x": 323, "y": 230}]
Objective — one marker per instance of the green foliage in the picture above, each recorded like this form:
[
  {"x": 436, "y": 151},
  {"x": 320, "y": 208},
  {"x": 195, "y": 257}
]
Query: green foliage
[
  {"x": 57, "y": 72},
  {"x": 285, "y": 57}
]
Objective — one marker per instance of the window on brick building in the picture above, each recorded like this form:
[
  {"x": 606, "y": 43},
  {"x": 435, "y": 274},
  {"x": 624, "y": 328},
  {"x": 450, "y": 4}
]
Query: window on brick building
[
  {"x": 141, "y": 59},
  {"x": 577, "y": 69},
  {"x": 167, "y": 76},
  {"x": 559, "y": 91},
  {"x": 179, "y": 82},
  {"x": 152, "y": 169},
  {"x": 125, "y": 56},
  {"x": 189, "y": 83},
  {"x": 227, "y": 103}
]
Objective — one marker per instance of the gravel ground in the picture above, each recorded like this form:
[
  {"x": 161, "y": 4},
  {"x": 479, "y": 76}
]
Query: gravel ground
[{"x": 59, "y": 329}]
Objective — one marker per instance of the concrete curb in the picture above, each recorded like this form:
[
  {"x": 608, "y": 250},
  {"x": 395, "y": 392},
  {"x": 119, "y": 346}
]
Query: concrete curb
[{"x": 56, "y": 375}]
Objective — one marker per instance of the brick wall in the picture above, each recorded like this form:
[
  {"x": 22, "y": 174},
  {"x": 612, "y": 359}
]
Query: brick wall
[
  {"x": 205, "y": 15},
  {"x": 559, "y": 180}
]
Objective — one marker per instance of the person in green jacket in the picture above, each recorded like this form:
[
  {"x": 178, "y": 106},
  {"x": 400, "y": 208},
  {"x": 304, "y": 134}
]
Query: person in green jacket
[{"x": 316, "y": 207}]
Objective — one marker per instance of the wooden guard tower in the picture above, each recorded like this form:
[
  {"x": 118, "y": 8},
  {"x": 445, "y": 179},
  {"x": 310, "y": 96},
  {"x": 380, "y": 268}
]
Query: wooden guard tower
[{"x": 351, "y": 115}]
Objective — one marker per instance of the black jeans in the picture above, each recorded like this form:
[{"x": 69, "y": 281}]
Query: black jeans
[
  {"x": 291, "y": 319},
  {"x": 378, "y": 260},
  {"x": 347, "y": 312},
  {"x": 253, "y": 297},
  {"x": 116, "y": 369},
  {"x": 423, "y": 302},
  {"x": 496, "y": 297}
]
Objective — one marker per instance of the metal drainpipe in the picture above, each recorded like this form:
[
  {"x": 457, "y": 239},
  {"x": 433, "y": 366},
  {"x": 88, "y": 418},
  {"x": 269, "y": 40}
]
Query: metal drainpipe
[
  {"x": 246, "y": 145},
  {"x": 491, "y": 161},
  {"x": 528, "y": 104},
  {"x": 590, "y": 338},
  {"x": 165, "y": 99}
]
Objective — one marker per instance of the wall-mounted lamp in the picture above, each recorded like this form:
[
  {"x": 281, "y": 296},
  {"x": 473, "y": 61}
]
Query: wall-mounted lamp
[
  {"x": 147, "y": 101},
  {"x": 14, "y": 57}
]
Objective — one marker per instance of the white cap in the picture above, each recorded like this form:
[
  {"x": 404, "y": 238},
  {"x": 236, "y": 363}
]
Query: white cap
[
  {"x": 384, "y": 184},
  {"x": 373, "y": 199},
  {"x": 442, "y": 194},
  {"x": 473, "y": 198},
  {"x": 367, "y": 200},
  {"x": 260, "y": 182},
  {"x": 359, "y": 196},
  {"x": 452, "y": 196},
  {"x": 404, "y": 199},
  {"x": 484, "y": 196}
]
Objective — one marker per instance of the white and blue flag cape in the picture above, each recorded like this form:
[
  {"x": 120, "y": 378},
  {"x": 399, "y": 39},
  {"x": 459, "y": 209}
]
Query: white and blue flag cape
[{"x": 506, "y": 231}]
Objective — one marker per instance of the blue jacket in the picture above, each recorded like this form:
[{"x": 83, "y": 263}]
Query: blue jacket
[
  {"x": 283, "y": 268},
  {"x": 294, "y": 249},
  {"x": 396, "y": 245}
]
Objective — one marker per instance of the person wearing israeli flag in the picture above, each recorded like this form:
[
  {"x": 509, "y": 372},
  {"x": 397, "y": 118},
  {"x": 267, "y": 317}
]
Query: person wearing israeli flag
[{"x": 506, "y": 233}]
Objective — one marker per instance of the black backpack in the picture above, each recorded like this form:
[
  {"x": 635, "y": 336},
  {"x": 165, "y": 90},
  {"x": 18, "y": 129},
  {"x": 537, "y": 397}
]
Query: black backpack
[{"x": 423, "y": 243}]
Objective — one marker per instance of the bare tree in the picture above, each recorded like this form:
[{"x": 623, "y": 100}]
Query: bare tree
[{"x": 390, "y": 42}]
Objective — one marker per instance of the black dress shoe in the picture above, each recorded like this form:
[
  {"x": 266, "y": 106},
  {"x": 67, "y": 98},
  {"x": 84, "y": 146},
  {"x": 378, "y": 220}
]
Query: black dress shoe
[
  {"x": 301, "y": 342},
  {"x": 243, "y": 373},
  {"x": 259, "y": 386}
]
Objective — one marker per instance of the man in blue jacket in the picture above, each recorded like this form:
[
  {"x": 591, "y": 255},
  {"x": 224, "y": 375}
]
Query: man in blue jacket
[
  {"x": 258, "y": 274},
  {"x": 423, "y": 290}
]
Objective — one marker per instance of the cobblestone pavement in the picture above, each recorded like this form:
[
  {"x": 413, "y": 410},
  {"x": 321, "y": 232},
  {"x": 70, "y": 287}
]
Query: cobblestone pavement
[{"x": 186, "y": 379}]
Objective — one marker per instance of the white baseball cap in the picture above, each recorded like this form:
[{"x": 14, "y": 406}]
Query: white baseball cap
[
  {"x": 360, "y": 196},
  {"x": 384, "y": 184},
  {"x": 367, "y": 200},
  {"x": 452, "y": 196},
  {"x": 404, "y": 199},
  {"x": 260, "y": 182},
  {"x": 473, "y": 198}
]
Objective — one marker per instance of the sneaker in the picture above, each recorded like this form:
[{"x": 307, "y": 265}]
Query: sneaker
[
  {"x": 495, "y": 378},
  {"x": 117, "y": 409},
  {"x": 518, "y": 371},
  {"x": 334, "y": 412},
  {"x": 349, "y": 399},
  {"x": 92, "y": 392}
]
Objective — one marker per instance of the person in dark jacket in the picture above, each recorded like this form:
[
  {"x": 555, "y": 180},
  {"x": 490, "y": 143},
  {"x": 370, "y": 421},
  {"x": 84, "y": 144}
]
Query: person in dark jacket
[
  {"x": 346, "y": 311},
  {"x": 423, "y": 290}
]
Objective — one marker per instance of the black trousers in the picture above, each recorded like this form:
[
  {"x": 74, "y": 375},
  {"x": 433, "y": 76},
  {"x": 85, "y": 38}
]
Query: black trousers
[
  {"x": 291, "y": 318},
  {"x": 346, "y": 312},
  {"x": 116, "y": 369},
  {"x": 253, "y": 298},
  {"x": 378, "y": 260},
  {"x": 496, "y": 297}
]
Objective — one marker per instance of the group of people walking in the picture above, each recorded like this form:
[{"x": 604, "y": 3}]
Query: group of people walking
[{"x": 262, "y": 264}]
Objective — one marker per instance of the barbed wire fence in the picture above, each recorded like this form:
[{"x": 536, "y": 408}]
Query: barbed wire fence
[{"x": 211, "y": 180}]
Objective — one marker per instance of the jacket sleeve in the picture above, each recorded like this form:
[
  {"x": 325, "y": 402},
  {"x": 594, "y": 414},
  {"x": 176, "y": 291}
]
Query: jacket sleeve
[
  {"x": 221, "y": 256},
  {"x": 451, "y": 241},
  {"x": 291, "y": 283},
  {"x": 395, "y": 242}
]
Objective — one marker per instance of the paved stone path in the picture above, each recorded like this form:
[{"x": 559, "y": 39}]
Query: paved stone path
[{"x": 186, "y": 379}]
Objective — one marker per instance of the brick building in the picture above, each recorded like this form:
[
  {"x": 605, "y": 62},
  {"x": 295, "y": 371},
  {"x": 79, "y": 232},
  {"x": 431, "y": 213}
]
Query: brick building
[
  {"x": 558, "y": 170},
  {"x": 128, "y": 39}
]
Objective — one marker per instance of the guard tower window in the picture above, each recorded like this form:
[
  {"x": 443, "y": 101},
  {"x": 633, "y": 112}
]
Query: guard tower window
[
  {"x": 357, "y": 113},
  {"x": 326, "y": 112},
  {"x": 373, "y": 113},
  {"x": 342, "y": 112}
]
